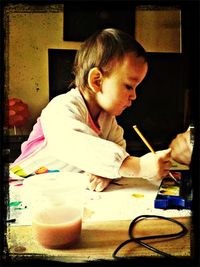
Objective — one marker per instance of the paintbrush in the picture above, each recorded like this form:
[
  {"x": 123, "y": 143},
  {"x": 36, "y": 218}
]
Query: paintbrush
[{"x": 150, "y": 147}]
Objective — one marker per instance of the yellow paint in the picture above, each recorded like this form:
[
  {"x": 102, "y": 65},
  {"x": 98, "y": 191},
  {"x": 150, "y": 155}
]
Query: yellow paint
[
  {"x": 138, "y": 195},
  {"x": 18, "y": 171}
]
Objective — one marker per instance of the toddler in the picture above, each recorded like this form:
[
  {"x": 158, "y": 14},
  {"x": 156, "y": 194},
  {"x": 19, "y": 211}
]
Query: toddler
[{"x": 78, "y": 132}]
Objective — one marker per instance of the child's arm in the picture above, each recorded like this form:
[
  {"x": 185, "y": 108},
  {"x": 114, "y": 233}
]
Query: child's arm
[
  {"x": 150, "y": 166},
  {"x": 71, "y": 140}
]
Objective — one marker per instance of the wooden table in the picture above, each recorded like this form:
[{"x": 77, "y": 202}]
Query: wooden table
[{"x": 99, "y": 240}]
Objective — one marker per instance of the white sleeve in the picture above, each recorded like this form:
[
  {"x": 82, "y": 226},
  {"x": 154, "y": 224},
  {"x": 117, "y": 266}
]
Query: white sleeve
[{"x": 71, "y": 140}]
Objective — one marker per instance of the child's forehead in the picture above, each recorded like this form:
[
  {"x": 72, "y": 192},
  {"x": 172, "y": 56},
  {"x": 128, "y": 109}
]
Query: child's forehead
[
  {"x": 126, "y": 60},
  {"x": 132, "y": 69},
  {"x": 127, "y": 56},
  {"x": 114, "y": 62}
]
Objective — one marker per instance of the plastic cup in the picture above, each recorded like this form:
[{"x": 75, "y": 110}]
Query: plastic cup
[
  {"x": 58, "y": 225},
  {"x": 57, "y": 209}
]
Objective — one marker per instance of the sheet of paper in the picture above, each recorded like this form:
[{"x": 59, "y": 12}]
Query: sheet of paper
[
  {"x": 132, "y": 198},
  {"x": 126, "y": 200}
]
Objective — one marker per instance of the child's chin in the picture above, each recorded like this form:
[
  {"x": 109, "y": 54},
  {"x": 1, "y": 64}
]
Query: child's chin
[{"x": 118, "y": 113}]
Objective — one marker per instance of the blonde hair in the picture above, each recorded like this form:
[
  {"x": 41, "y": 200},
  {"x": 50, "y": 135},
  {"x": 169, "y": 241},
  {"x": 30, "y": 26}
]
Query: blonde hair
[{"x": 100, "y": 49}]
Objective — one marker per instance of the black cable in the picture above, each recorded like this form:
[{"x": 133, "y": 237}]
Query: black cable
[{"x": 138, "y": 240}]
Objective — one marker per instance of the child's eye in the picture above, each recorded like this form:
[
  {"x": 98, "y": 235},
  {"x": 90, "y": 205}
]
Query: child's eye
[{"x": 129, "y": 87}]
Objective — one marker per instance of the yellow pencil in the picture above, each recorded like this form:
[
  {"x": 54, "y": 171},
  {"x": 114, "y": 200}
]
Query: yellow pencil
[{"x": 150, "y": 147}]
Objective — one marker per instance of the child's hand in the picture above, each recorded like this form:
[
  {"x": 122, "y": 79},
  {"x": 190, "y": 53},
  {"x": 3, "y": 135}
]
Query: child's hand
[
  {"x": 98, "y": 183},
  {"x": 155, "y": 166},
  {"x": 182, "y": 148}
]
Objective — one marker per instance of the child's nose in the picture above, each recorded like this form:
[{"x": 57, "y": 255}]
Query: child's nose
[{"x": 133, "y": 95}]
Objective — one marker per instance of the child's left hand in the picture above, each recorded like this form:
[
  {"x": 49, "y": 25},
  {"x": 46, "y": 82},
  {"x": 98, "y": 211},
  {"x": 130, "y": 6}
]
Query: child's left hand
[{"x": 98, "y": 183}]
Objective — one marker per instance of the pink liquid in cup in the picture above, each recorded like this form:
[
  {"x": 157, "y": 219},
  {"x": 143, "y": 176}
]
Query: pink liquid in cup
[{"x": 57, "y": 226}]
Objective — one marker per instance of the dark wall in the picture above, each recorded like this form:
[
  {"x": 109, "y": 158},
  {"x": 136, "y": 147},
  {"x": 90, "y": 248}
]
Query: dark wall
[
  {"x": 60, "y": 70},
  {"x": 82, "y": 18}
]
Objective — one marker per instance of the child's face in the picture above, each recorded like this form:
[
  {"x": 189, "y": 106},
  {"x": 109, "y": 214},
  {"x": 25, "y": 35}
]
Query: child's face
[{"x": 119, "y": 88}]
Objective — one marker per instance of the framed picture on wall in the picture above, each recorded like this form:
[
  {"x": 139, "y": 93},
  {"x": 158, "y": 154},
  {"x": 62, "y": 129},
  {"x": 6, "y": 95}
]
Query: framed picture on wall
[{"x": 158, "y": 28}]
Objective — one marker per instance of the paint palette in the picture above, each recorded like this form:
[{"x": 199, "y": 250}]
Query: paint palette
[{"x": 172, "y": 195}]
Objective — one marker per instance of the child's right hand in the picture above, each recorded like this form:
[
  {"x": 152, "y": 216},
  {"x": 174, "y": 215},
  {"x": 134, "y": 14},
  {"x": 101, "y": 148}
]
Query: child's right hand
[{"x": 154, "y": 166}]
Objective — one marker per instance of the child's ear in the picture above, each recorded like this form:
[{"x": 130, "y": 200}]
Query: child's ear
[{"x": 95, "y": 79}]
